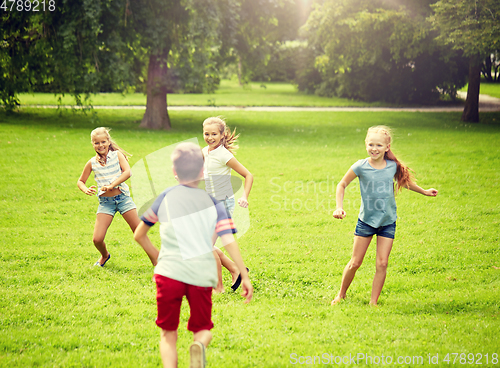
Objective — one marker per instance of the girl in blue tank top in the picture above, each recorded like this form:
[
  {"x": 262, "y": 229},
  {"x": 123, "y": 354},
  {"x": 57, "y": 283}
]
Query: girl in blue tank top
[
  {"x": 377, "y": 215},
  {"x": 111, "y": 169}
]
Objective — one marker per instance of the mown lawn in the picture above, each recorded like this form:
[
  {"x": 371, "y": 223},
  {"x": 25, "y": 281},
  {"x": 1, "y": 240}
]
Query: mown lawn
[
  {"x": 443, "y": 286},
  {"x": 230, "y": 93}
]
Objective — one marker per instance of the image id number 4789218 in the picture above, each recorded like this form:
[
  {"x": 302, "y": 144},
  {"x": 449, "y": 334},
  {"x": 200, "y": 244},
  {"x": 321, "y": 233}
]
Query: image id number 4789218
[{"x": 28, "y": 5}]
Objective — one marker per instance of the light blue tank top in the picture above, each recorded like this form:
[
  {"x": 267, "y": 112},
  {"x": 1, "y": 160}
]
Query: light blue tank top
[{"x": 378, "y": 205}]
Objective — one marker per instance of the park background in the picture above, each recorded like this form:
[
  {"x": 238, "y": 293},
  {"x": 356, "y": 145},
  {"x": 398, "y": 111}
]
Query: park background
[{"x": 442, "y": 291}]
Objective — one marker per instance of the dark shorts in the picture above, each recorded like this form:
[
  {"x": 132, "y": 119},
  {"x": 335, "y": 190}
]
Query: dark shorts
[
  {"x": 365, "y": 230},
  {"x": 119, "y": 203},
  {"x": 169, "y": 295}
]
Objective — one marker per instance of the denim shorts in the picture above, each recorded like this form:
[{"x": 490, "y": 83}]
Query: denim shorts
[
  {"x": 110, "y": 205},
  {"x": 229, "y": 204},
  {"x": 365, "y": 230}
]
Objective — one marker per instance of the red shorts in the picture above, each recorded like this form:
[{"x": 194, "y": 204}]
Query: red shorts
[{"x": 169, "y": 295}]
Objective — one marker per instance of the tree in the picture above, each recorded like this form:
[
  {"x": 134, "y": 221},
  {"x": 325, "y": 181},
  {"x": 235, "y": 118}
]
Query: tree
[
  {"x": 69, "y": 48},
  {"x": 83, "y": 47},
  {"x": 379, "y": 50},
  {"x": 472, "y": 26}
]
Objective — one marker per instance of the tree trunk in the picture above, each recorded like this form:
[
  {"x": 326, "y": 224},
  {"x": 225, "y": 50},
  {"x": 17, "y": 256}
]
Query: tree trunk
[
  {"x": 156, "y": 115},
  {"x": 486, "y": 68},
  {"x": 471, "y": 109}
]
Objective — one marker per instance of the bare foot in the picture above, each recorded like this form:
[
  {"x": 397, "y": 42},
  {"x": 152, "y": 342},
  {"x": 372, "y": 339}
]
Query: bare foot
[
  {"x": 337, "y": 300},
  {"x": 373, "y": 304}
]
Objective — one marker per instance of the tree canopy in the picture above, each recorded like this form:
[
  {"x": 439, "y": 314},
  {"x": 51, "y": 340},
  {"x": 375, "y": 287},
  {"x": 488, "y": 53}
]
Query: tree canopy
[
  {"x": 374, "y": 50},
  {"x": 472, "y": 26}
]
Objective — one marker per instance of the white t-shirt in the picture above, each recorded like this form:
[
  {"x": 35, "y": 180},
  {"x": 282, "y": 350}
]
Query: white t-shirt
[
  {"x": 217, "y": 174},
  {"x": 188, "y": 218}
]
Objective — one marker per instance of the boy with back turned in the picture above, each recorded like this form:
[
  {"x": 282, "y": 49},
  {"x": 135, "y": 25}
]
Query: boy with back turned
[{"x": 185, "y": 264}]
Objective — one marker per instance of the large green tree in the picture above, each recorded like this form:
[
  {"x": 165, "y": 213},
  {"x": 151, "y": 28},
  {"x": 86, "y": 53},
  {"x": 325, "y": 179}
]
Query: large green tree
[
  {"x": 472, "y": 26},
  {"x": 86, "y": 46},
  {"x": 378, "y": 50},
  {"x": 74, "y": 47}
]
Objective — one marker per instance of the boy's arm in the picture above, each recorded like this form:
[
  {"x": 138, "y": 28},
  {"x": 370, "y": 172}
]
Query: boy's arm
[
  {"x": 429, "y": 192},
  {"x": 141, "y": 237},
  {"x": 232, "y": 248}
]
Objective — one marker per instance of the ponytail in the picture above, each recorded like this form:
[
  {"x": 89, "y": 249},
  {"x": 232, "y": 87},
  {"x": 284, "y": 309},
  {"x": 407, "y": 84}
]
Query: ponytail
[
  {"x": 229, "y": 140},
  {"x": 404, "y": 176}
]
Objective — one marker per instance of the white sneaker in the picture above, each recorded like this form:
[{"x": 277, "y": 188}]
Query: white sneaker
[{"x": 197, "y": 355}]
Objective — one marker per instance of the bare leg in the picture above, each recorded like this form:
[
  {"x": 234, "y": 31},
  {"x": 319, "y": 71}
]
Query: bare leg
[
  {"x": 358, "y": 254},
  {"x": 384, "y": 247},
  {"x": 222, "y": 260},
  {"x": 197, "y": 352},
  {"x": 132, "y": 219},
  {"x": 102, "y": 223},
  {"x": 203, "y": 336},
  {"x": 228, "y": 264},
  {"x": 220, "y": 285},
  {"x": 168, "y": 348}
]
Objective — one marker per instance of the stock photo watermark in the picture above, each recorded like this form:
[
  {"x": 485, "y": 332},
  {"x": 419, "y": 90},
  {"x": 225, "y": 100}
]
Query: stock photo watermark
[
  {"x": 312, "y": 195},
  {"x": 309, "y": 195},
  {"x": 427, "y": 359}
]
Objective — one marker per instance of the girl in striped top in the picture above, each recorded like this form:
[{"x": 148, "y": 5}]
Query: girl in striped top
[{"x": 111, "y": 169}]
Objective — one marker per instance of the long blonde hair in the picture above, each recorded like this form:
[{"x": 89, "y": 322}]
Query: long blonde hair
[
  {"x": 404, "y": 176},
  {"x": 112, "y": 146},
  {"x": 228, "y": 139}
]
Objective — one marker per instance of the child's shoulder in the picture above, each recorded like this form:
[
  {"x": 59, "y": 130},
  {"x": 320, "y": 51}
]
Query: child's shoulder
[
  {"x": 391, "y": 163},
  {"x": 360, "y": 163}
]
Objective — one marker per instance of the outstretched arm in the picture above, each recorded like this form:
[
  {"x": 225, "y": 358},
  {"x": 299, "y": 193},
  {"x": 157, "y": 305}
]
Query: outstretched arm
[
  {"x": 339, "y": 213},
  {"x": 427, "y": 192},
  {"x": 240, "y": 169},
  {"x": 141, "y": 237}
]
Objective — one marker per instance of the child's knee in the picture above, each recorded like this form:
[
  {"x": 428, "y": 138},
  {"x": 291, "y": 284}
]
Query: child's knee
[
  {"x": 98, "y": 239},
  {"x": 382, "y": 265},
  {"x": 354, "y": 264}
]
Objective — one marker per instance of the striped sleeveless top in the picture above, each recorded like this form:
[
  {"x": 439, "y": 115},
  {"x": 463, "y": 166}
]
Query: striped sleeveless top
[{"x": 105, "y": 175}]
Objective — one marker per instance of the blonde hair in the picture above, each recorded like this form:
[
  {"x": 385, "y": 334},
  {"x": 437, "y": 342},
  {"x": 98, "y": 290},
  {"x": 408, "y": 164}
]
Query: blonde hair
[
  {"x": 187, "y": 158},
  {"x": 228, "y": 139},
  {"x": 404, "y": 176},
  {"x": 112, "y": 146}
]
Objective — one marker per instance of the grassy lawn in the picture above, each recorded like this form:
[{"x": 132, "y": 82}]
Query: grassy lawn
[
  {"x": 229, "y": 94},
  {"x": 443, "y": 286},
  {"x": 490, "y": 89}
]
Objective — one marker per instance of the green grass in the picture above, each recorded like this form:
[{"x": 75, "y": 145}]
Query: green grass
[
  {"x": 442, "y": 290},
  {"x": 490, "y": 89},
  {"x": 229, "y": 94},
  {"x": 486, "y": 88}
]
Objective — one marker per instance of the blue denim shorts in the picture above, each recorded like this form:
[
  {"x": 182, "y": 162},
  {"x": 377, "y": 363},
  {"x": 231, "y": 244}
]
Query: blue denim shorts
[
  {"x": 365, "y": 230},
  {"x": 229, "y": 204},
  {"x": 110, "y": 205}
]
